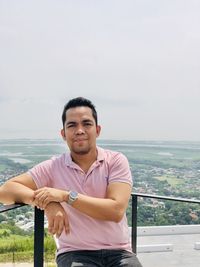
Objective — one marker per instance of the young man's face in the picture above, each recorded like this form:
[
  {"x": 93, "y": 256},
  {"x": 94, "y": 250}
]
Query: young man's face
[{"x": 80, "y": 130}]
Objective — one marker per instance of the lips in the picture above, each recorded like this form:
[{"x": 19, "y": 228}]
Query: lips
[{"x": 79, "y": 140}]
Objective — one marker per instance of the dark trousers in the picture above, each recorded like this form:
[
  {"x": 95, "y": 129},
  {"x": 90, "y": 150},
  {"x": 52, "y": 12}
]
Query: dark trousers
[{"x": 98, "y": 258}]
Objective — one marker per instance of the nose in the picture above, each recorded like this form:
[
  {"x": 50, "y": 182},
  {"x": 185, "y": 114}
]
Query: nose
[{"x": 80, "y": 130}]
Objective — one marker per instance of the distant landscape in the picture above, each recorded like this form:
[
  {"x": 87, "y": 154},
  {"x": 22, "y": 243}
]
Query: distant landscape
[{"x": 162, "y": 168}]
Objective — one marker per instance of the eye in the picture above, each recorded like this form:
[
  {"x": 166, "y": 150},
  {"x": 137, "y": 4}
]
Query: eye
[
  {"x": 87, "y": 123},
  {"x": 70, "y": 125}
]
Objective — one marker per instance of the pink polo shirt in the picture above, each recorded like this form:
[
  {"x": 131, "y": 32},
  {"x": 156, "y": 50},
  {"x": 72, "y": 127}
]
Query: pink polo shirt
[{"x": 85, "y": 232}]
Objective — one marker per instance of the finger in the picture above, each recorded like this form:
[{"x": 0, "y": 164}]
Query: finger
[
  {"x": 50, "y": 225},
  {"x": 38, "y": 192},
  {"x": 41, "y": 189},
  {"x": 60, "y": 228},
  {"x": 41, "y": 194},
  {"x": 45, "y": 202},
  {"x": 66, "y": 222},
  {"x": 55, "y": 226}
]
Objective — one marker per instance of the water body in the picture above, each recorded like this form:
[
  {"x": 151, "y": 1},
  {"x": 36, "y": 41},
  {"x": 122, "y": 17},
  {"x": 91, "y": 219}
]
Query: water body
[{"x": 27, "y": 151}]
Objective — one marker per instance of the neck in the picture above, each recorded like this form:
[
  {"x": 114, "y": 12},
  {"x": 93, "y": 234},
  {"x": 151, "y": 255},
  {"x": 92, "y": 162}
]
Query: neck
[{"x": 86, "y": 160}]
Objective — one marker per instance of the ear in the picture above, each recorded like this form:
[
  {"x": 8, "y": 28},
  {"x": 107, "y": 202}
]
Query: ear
[
  {"x": 62, "y": 132},
  {"x": 98, "y": 130}
]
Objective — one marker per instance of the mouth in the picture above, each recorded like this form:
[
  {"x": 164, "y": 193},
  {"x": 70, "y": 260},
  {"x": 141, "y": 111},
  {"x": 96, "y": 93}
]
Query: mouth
[{"x": 79, "y": 140}]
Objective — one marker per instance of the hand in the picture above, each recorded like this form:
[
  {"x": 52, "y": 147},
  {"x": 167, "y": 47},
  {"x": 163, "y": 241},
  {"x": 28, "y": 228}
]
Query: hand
[
  {"x": 57, "y": 219},
  {"x": 45, "y": 195}
]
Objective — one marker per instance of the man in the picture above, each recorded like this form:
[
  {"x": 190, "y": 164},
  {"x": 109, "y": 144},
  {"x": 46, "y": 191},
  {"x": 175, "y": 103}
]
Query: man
[{"x": 84, "y": 193}]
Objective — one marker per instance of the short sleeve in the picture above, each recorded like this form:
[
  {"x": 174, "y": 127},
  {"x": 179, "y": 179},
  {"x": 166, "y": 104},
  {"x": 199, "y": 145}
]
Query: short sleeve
[
  {"x": 42, "y": 174},
  {"x": 119, "y": 169}
]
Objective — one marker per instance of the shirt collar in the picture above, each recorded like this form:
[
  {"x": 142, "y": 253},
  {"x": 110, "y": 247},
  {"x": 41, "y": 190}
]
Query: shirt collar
[
  {"x": 100, "y": 154},
  {"x": 69, "y": 162}
]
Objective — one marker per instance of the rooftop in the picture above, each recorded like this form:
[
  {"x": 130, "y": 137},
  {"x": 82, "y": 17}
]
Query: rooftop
[{"x": 170, "y": 250}]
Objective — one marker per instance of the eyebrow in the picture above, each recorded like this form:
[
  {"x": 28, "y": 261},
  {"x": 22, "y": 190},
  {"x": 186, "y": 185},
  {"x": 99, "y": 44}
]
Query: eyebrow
[
  {"x": 87, "y": 120},
  {"x": 74, "y": 122},
  {"x": 67, "y": 122}
]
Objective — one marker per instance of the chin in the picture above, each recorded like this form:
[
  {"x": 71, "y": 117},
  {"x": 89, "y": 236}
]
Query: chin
[{"x": 81, "y": 151}]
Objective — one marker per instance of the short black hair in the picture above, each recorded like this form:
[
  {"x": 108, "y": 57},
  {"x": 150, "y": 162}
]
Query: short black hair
[{"x": 79, "y": 102}]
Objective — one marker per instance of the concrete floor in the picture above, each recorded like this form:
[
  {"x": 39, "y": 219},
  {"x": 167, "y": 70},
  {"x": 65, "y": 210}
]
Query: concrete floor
[{"x": 183, "y": 254}]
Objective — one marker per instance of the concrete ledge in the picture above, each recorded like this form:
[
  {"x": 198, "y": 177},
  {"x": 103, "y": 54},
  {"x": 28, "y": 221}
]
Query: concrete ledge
[
  {"x": 168, "y": 230},
  {"x": 197, "y": 245},
  {"x": 155, "y": 248}
]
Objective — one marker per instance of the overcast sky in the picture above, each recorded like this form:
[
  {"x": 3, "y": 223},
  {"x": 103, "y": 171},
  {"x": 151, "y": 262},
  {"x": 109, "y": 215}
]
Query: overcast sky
[{"x": 138, "y": 61}]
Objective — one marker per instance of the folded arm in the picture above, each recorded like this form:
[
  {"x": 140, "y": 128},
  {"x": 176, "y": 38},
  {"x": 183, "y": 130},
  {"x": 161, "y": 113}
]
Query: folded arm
[
  {"x": 110, "y": 208},
  {"x": 19, "y": 189}
]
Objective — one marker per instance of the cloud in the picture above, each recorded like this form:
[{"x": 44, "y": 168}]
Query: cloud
[{"x": 138, "y": 61}]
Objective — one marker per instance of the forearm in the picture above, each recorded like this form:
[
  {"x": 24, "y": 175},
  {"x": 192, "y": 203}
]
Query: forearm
[
  {"x": 99, "y": 208},
  {"x": 110, "y": 208},
  {"x": 13, "y": 192}
]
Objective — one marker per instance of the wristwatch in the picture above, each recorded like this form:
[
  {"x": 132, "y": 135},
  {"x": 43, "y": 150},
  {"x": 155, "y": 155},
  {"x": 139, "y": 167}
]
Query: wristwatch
[{"x": 73, "y": 196}]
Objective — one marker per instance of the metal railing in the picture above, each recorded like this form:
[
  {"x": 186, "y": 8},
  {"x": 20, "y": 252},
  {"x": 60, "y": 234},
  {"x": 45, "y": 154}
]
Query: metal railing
[
  {"x": 39, "y": 223},
  {"x": 38, "y": 232},
  {"x": 134, "y": 212}
]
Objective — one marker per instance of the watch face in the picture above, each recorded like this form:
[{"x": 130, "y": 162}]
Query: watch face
[{"x": 73, "y": 194}]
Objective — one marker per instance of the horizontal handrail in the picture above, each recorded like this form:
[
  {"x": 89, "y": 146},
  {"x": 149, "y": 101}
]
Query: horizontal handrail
[
  {"x": 4, "y": 208},
  {"x": 15, "y": 206},
  {"x": 190, "y": 200}
]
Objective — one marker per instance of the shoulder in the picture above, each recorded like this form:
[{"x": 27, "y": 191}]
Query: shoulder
[
  {"x": 111, "y": 156},
  {"x": 118, "y": 167},
  {"x": 50, "y": 163},
  {"x": 59, "y": 158}
]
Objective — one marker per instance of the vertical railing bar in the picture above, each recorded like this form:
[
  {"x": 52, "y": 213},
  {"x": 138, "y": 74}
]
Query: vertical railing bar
[
  {"x": 134, "y": 224},
  {"x": 39, "y": 238}
]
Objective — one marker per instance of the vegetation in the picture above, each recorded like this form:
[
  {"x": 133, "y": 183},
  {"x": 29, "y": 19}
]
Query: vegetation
[
  {"x": 17, "y": 245},
  {"x": 166, "y": 168},
  {"x": 171, "y": 180}
]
